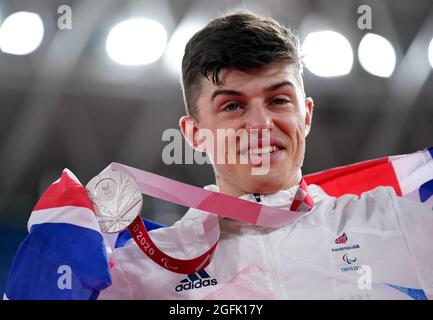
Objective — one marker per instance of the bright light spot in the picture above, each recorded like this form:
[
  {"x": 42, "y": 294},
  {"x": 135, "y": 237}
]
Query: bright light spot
[
  {"x": 430, "y": 53},
  {"x": 377, "y": 55},
  {"x": 176, "y": 45},
  {"x": 327, "y": 54},
  {"x": 136, "y": 42},
  {"x": 21, "y": 33}
]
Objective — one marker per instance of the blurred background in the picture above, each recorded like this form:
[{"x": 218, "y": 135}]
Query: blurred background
[{"x": 103, "y": 86}]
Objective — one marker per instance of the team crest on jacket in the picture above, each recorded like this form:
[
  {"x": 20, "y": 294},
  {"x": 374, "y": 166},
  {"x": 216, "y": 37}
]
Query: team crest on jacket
[
  {"x": 345, "y": 249},
  {"x": 196, "y": 281},
  {"x": 341, "y": 239}
]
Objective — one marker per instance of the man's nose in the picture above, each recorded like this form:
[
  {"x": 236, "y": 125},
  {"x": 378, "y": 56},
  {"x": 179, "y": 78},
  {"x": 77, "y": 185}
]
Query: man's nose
[{"x": 258, "y": 118}]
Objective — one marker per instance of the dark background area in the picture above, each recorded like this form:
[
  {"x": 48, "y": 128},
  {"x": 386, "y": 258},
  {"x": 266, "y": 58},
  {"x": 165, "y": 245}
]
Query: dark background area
[{"x": 67, "y": 105}]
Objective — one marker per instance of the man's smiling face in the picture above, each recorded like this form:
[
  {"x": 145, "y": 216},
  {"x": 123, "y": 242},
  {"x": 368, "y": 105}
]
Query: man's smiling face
[{"x": 271, "y": 99}]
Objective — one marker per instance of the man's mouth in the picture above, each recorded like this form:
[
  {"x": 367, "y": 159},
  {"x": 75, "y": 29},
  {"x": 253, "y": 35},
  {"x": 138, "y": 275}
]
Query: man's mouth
[
  {"x": 262, "y": 151},
  {"x": 265, "y": 150},
  {"x": 260, "y": 147}
]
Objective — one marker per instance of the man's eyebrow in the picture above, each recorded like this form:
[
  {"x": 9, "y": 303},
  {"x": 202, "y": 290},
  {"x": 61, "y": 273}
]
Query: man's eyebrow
[
  {"x": 279, "y": 85},
  {"x": 239, "y": 94},
  {"x": 227, "y": 92}
]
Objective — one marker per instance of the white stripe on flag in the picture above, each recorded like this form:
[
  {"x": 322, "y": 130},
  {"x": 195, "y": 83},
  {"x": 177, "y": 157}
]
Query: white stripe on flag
[
  {"x": 413, "y": 170},
  {"x": 78, "y": 216},
  {"x": 5, "y": 297}
]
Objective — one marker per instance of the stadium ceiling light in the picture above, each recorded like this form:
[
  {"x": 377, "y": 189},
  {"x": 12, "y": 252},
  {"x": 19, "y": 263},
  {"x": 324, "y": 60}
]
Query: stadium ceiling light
[
  {"x": 327, "y": 54},
  {"x": 176, "y": 45},
  {"x": 136, "y": 42},
  {"x": 21, "y": 33},
  {"x": 430, "y": 52},
  {"x": 377, "y": 55}
]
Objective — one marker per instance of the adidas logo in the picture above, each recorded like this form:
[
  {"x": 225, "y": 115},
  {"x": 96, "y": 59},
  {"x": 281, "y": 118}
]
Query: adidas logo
[{"x": 195, "y": 281}]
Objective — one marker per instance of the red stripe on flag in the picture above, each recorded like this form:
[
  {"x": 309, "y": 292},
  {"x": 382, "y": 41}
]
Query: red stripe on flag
[
  {"x": 111, "y": 263},
  {"x": 66, "y": 192},
  {"x": 356, "y": 178}
]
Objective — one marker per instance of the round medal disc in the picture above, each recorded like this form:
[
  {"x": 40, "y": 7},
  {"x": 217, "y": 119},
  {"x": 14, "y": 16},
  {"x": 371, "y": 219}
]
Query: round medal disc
[{"x": 116, "y": 198}]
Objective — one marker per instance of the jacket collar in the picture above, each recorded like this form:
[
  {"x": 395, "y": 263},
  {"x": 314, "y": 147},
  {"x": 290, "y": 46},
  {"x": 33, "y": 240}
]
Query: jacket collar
[{"x": 281, "y": 199}]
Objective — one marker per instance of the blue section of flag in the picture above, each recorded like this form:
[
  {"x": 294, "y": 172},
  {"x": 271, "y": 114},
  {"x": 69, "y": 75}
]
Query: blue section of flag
[
  {"x": 431, "y": 151},
  {"x": 426, "y": 191},
  {"x": 416, "y": 294},
  {"x": 35, "y": 272},
  {"x": 124, "y": 236}
]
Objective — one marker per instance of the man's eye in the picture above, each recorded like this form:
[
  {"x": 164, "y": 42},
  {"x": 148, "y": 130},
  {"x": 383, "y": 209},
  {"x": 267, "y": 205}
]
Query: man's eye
[
  {"x": 231, "y": 107},
  {"x": 280, "y": 101}
]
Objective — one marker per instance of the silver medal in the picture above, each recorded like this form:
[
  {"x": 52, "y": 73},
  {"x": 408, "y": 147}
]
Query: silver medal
[{"x": 116, "y": 198}]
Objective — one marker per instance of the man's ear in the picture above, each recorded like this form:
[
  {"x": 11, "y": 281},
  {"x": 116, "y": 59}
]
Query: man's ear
[
  {"x": 191, "y": 133},
  {"x": 309, "y": 106}
]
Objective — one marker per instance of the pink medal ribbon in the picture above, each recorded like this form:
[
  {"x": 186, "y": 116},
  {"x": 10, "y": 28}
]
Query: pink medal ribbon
[{"x": 212, "y": 202}]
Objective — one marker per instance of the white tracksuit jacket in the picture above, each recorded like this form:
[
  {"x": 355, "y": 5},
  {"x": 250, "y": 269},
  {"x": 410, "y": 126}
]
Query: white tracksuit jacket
[{"x": 385, "y": 252}]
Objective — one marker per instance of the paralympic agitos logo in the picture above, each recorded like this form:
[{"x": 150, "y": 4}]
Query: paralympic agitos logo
[
  {"x": 348, "y": 260},
  {"x": 195, "y": 281}
]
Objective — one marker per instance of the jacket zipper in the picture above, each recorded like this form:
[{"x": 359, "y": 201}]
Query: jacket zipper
[
  {"x": 270, "y": 257},
  {"x": 272, "y": 267}
]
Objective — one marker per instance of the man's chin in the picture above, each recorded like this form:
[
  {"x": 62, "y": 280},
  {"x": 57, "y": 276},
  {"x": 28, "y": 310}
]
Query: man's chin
[{"x": 265, "y": 185}]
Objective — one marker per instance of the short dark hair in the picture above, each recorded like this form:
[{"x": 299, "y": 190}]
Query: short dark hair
[{"x": 242, "y": 40}]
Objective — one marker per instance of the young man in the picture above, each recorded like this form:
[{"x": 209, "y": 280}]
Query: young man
[{"x": 244, "y": 72}]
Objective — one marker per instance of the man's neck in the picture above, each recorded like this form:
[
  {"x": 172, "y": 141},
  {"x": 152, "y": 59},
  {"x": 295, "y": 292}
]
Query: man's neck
[{"x": 229, "y": 188}]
